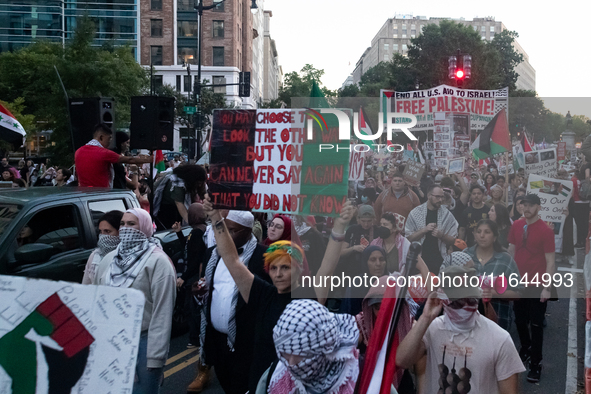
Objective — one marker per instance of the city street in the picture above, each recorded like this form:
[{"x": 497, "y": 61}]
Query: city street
[{"x": 562, "y": 367}]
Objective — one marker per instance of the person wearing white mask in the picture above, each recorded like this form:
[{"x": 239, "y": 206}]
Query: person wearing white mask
[
  {"x": 140, "y": 263},
  {"x": 464, "y": 351},
  {"x": 108, "y": 226}
]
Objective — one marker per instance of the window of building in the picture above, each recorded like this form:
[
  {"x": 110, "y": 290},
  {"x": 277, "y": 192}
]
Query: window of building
[
  {"x": 156, "y": 27},
  {"x": 156, "y": 5},
  {"x": 187, "y": 28},
  {"x": 219, "y": 80},
  {"x": 178, "y": 83},
  {"x": 219, "y": 5},
  {"x": 156, "y": 55},
  {"x": 404, "y": 26},
  {"x": 158, "y": 82},
  {"x": 218, "y": 56},
  {"x": 404, "y": 35},
  {"x": 187, "y": 55},
  {"x": 404, "y": 48},
  {"x": 475, "y": 28},
  {"x": 386, "y": 47},
  {"x": 413, "y": 27},
  {"x": 492, "y": 35},
  {"x": 394, "y": 27},
  {"x": 386, "y": 57},
  {"x": 187, "y": 83},
  {"x": 412, "y": 36},
  {"x": 395, "y": 47},
  {"x": 394, "y": 35},
  {"x": 422, "y": 28},
  {"x": 218, "y": 28},
  {"x": 492, "y": 29},
  {"x": 483, "y": 28},
  {"x": 186, "y": 5}
]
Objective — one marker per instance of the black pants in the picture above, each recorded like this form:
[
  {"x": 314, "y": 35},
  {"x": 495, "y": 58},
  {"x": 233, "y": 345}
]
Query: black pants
[
  {"x": 231, "y": 368},
  {"x": 529, "y": 316},
  {"x": 581, "y": 214}
]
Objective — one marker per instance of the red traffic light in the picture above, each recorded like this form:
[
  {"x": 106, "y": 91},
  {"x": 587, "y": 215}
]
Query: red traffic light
[{"x": 459, "y": 74}]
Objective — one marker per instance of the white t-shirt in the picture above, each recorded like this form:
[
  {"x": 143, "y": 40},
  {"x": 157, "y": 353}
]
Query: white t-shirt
[{"x": 487, "y": 352}]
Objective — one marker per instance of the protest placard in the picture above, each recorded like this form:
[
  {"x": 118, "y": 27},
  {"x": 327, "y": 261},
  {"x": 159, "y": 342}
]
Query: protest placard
[
  {"x": 61, "y": 337},
  {"x": 413, "y": 171},
  {"x": 260, "y": 161},
  {"x": 541, "y": 162},
  {"x": 480, "y": 105},
  {"x": 561, "y": 151},
  {"x": 356, "y": 165},
  {"x": 456, "y": 166},
  {"x": 554, "y": 195}
]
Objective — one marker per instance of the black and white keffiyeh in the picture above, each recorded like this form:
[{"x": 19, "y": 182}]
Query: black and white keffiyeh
[
  {"x": 459, "y": 259},
  {"x": 106, "y": 244},
  {"x": 327, "y": 341},
  {"x": 94, "y": 142},
  {"x": 248, "y": 250},
  {"x": 175, "y": 181},
  {"x": 446, "y": 222},
  {"x": 132, "y": 253}
]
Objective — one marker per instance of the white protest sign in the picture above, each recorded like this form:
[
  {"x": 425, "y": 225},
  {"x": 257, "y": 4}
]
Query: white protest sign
[
  {"x": 356, "y": 165},
  {"x": 541, "y": 162},
  {"x": 554, "y": 195},
  {"x": 66, "y": 337}
]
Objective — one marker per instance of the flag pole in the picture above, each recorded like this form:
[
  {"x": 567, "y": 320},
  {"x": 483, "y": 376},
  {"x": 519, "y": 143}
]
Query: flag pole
[{"x": 506, "y": 178}]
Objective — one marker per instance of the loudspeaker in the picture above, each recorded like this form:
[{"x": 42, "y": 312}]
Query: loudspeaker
[
  {"x": 85, "y": 113},
  {"x": 152, "y": 123}
]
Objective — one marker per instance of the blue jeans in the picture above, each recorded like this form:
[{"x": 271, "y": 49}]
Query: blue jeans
[{"x": 146, "y": 382}]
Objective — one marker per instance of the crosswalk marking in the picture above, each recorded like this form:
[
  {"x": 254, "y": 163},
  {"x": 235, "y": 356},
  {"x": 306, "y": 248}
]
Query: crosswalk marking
[
  {"x": 181, "y": 366},
  {"x": 180, "y": 355}
]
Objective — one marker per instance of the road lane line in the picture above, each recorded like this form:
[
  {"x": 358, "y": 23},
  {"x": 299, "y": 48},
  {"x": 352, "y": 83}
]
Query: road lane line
[
  {"x": 573, "y": 270},
  {"x": 572, "y": 354},
  {"x": 180, "y": 355},
  {"x": 181, "y": 366}
]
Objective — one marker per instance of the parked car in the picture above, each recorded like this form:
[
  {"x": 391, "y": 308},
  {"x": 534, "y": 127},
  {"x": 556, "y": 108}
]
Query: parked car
[{"x": 49, "y": 232}]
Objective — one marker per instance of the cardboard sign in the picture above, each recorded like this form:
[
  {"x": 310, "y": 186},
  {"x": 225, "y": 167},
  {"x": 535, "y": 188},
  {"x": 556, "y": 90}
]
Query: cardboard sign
[
  {"x": 561, "y": 151},
  {"x": 455, "y": 166},
  {"x": 66, "y": 337},
  {"x": 261, "y": 161},
  {"x": 413, "y": 171},
  {"x": 541, "y": 162},
  {"x": 554, "y": 195}
]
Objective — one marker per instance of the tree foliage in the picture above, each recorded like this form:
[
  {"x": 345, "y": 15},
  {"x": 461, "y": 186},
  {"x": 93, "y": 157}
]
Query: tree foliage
[
  {"x": 300, "y": 85},
  {"x": 86, "y": 71}
]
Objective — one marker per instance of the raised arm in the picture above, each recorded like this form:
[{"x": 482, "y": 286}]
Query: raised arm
[
  {"x": 333, "y": 250},
  {"x": 465, "y": 192},
  {"x": 227, "y": 250}
]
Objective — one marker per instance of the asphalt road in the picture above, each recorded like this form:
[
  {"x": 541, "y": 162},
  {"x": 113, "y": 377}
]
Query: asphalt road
[{"x": 562, "y": 368}]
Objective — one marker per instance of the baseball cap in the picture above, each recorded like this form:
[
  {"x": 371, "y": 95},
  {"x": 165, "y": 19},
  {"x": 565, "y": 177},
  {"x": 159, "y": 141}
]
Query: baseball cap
[
  {"x": 366, "y": 212},
  {"x": 465, "y": 289},
  {"x": 532, "y": 199}
]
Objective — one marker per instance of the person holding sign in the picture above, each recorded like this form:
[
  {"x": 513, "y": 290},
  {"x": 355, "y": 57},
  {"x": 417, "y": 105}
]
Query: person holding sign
[
  {"x": 531, "y": 242},
  {"x": 284, "y": 264}
]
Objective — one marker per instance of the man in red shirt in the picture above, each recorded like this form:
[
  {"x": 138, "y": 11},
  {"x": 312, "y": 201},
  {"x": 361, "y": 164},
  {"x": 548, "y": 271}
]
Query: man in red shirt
[
  {"x": 531, "y": 242},
  {"x": 94, "y": 160}
]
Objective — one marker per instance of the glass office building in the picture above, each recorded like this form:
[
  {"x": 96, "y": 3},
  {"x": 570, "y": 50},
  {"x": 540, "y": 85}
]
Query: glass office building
[{"x": 23, "y": 22}]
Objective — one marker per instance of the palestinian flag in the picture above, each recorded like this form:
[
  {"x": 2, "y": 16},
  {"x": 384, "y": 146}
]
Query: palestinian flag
[
  {"x": 10, "y": 129},
  {"x": 159, "y": 162},
  {"x": 527, "y": 147},
  {"x": 494, "y": 138},
  {"x": 364, "y": 127}
]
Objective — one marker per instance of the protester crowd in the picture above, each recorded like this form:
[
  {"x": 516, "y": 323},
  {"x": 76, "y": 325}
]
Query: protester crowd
[{"x": 263, "y": 330}]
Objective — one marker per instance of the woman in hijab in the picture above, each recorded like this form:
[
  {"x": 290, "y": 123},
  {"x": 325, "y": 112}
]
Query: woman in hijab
[
  {"x": 281, "y": 228},
  {"x": 390, "y": 239},
  {"x": 108, "y": 226},
  {"x": 138, "y": 262},
  {"x": 316, "y": 349}
]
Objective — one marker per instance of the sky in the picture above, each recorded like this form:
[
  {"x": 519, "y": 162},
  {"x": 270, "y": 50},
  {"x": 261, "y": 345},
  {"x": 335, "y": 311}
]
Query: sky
[{"x": 332, "y": 35}]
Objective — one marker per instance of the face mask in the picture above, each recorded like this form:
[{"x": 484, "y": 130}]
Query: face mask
[
  {"x": 461, "y": 320},
  {"x": 383, "y": 232},
  {"x": 131, "y": 237},
  {"x": 364, "y": 199},
  {"x": 107, "y": 243}
]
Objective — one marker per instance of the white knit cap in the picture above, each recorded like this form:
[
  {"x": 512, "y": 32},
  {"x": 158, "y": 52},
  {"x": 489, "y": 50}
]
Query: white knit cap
[{"x": 243, "y": 218}]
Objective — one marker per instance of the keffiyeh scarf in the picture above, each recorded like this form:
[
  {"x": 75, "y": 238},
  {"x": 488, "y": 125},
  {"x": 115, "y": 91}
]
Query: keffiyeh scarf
[
  {"x": 132, "y": 254},
  {"x": 105, "y": 245},
  {"x": 327, "y": 341},
  {"x": 459, "y": 259},
  {"x": 249, "y": 248},
  {"x": 175, "y": 181},
  {"x": 446, "y": 222}
]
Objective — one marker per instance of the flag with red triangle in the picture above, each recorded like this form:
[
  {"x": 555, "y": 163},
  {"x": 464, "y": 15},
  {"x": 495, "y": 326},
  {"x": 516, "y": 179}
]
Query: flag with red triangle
[
  {"x": 10, "y": 129},
  {"x": 527, "y": 146},
  {"x": 494, "y": 138}
]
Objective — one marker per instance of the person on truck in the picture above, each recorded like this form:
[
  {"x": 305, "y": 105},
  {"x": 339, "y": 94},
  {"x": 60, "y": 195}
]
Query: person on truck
[{"x": 94, "y": 160}]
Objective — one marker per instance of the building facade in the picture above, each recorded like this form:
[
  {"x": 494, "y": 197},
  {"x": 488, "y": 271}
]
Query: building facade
[
  {"x": 23, "y": 22},
  {"x": 396, "y": 34}
]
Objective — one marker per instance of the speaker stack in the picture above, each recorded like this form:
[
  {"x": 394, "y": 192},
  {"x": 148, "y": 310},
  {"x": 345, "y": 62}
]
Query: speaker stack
[
  {"x": 152, "y": 123},
  {"x": 85, "y": 113}
]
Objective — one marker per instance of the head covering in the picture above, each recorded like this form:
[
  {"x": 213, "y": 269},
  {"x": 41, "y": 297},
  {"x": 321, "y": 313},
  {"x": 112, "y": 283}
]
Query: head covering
[
  {"x": 281, "y": 249},
  {"x": 532, "y": 199},
  {"x": 327, "y": 341},
  {"x": 365, "y": 318},
  {"x": 196, "y": 214},
  {"x": 457, "y": 259},
  {"x": 460, "y": 288},
  {"x": 366, "y": 212},
  {"x": 243, "y": 218},
  {"x": 367, "y": 253},
  {"x": 144, "y": 219},
  {"x": 290, "y": 234},
  {"x": 400, "y": 220}
]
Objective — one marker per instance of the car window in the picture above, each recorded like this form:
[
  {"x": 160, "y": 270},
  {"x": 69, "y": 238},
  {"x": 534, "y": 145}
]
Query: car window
[
  {"x": 99, "y": 208},
  {"x": 7, "y": 213},
  {"x": 56, "y": 226}
]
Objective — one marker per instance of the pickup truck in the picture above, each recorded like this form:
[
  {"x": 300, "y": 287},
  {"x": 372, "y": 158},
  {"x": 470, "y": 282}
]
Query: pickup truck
[{"x": 49, "y": 232}]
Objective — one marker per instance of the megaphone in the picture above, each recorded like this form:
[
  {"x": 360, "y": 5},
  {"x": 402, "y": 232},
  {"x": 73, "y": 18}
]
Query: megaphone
[{"x": 499, "y": 283}]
